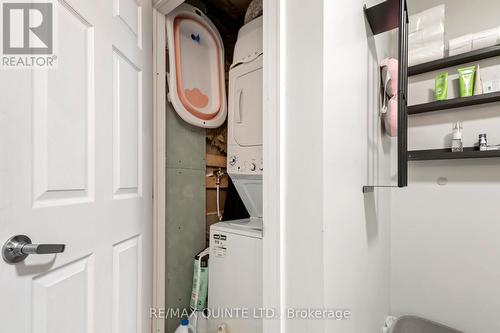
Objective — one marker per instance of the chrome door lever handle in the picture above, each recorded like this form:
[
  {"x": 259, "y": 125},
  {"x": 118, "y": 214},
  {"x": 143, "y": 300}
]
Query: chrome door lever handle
[
  {"x": 17, "y": 248},
  {"x": 42, "y": 248}
]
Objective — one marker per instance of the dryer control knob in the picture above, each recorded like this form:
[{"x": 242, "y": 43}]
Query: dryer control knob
[
  {"x": 232, "y": 160},
  {"x": 253, "y": 166}
]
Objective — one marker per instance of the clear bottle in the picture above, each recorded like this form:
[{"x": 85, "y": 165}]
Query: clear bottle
[
  {"x": 457, "y": 143},
  {"x": 483, "y": 142}
]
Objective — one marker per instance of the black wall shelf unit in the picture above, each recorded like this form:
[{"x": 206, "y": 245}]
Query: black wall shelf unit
[
  {"x": 454, "y": 103},
  {"x": 459, "y": 59},
  {"x": 386, "y": 16},
  {"x": 447, "y": 154}
]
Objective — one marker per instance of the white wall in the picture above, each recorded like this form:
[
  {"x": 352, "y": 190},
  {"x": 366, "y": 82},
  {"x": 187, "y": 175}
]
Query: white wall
[
  {"x": 445, "y": 239},
  {"x": 336, "y": 240},
  {"x": 303, "y": 176},
  {"x": 356, "y": 237}
]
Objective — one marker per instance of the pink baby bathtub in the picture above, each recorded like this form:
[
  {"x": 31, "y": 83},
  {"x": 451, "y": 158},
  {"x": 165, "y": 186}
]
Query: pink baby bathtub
[{"x": 196, "y": 62}]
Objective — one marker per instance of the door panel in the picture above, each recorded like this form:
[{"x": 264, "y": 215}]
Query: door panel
[
  {"x": 127, "y": 276},
  {"x": 127, "y": 129},
  {"x": 76, "y": 149},
  {"x": 52, "y": 292},
  {"x": 63, "y": 128}
]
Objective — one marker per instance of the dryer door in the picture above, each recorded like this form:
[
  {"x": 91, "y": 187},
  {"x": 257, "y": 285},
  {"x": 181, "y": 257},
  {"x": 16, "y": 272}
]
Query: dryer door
[{"x": 247, "y": 104}]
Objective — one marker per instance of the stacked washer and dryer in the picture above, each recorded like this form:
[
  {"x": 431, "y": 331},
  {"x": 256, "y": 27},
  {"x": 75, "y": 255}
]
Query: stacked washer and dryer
[
  {"x": 235, "y": 274},
  {"x": 197, "y": 92}
]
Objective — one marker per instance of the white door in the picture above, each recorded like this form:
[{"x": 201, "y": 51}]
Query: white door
[{"x": 76, "y": 169}]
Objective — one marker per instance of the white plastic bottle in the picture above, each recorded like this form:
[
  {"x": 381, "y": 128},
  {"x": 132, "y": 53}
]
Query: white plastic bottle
[{"x": 184, "y": 327}]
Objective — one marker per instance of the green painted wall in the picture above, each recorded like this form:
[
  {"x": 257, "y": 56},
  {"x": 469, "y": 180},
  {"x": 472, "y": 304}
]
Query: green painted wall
[{"x": 185, "y": 209}]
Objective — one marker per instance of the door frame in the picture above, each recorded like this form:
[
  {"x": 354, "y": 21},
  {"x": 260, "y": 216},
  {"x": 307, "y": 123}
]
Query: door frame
[
  {"x": 273, "y": 122},
  {"x": 159, "y": 166}
]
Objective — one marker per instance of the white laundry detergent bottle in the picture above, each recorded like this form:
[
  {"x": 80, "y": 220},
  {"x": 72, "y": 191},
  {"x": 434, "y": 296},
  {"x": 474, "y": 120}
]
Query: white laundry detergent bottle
[
  {"x": 184, "y": 327},
  {"x": 199, "y": 322}
]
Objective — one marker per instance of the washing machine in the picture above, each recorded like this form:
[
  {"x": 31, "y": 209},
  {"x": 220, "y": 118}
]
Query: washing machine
[
  {"x": 235, "y": 273},
  {"x": 235, "y": 281}
]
